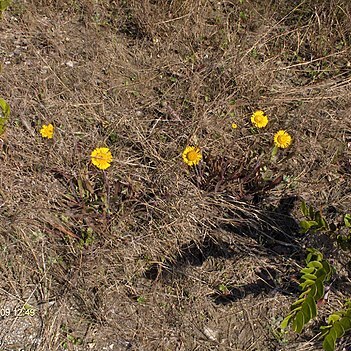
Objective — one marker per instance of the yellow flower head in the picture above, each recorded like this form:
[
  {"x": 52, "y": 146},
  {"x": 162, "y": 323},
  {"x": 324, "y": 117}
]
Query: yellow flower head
[
  {"x": 192, "y": 155},
  {"x": 47, "y": 131},
  {"x": 259, "y": 119},
  {"x": 282, "y": 139},
  {"x": 234, "y": 125},
  {"x": 101, "y": 157}
]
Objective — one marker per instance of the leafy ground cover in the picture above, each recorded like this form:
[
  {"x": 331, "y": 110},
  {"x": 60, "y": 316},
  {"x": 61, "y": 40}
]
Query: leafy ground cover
[{"x": 109, "y": 239}]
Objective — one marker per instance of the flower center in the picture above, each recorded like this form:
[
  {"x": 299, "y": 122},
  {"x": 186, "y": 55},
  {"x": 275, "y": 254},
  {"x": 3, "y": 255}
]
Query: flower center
[
  {"x": 192, "y": 155},
  {"x": 282, "y": 139}
]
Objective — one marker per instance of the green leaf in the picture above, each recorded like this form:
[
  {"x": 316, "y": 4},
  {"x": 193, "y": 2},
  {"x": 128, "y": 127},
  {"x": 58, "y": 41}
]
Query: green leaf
[
  {"x": 308, "y": 276},
  {"x": 319, "y": 256},
  {"x": 325, "y": 224},
  {"x": 307, "y": 225},
  {"x": 333, "y": 318},
  {"x": 339, "y": 329},
  {"x": 315, "y": 264},
  {"x": 223, "y": 289},
  {"x": 347, "y": 220},
  {"x": 286, "y": 321},
  {"x": 310, "y": 212},
  {"x": 308, "y": 270},
  {"x": 320, "y": 220},
  {"x": 326, "y": 266},
  {"x": 304, "y": 209},
  {"x": 298, "y": 322},
  {"x": 4, "y": 4},
  {"x": 309, "y": 257},
  {"x": 4, "y": 114},
  {"x": 325, "y": 330},
  {"x": 329, "y": 343},
  {"x": 331, "y": 339},
  {"x": 346, "y": 323},
  {"x": 312, "y": 305},
  {"x": 317, "y": 216},
  {"x": 328, "y": 269},
  {"x": 304, "y": 294},
  {"x": 141, "y": 299},
  {"x": 306, "y": 313},
  {"x": 295, "y": 310},
  {"x": 297, "y": 303},
  {"x": 5, "y": 108},
  {"x": 321, "y": 273},
  {"x": 314, "y": 254},
  {"x": 313, "y": 291},
  {"x": 320, "y": 290},
  {"x": 306, "y": 284}
]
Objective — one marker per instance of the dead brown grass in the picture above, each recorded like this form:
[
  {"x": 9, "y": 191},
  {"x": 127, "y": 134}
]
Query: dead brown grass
[{"x": 146, "y": 78}]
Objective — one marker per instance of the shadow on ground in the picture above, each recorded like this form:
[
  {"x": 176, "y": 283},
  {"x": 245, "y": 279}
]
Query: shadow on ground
[{"x": 277, "y": 238}]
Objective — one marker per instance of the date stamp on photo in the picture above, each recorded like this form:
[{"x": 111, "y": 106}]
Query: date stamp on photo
[{"x": 17, "y": 311}]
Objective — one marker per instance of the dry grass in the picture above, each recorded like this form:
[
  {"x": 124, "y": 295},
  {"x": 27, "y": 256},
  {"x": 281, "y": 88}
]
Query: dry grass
[{"x": 147, "y": 78}]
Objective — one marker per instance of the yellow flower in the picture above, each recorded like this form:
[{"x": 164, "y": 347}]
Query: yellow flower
[
  {"x": 259, "y": 119},
  {"x": 47, "y": 131},
  {"x": 101, "y": 157},
  {"x": 192, "y": 155},
  {"x": 234, "y": 125},
  {"x": 282, "y": 139}
]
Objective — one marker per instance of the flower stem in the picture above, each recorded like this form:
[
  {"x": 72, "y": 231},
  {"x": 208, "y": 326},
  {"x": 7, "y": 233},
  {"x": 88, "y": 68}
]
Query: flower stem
[
  {"x": 107, "y": 193},
  {"x": 274, "y": 152}
]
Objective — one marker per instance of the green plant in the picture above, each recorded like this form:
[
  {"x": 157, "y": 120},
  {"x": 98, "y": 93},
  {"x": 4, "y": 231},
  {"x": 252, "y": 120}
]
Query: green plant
[
  {"x": 4, "y": 4},
  {"x": 87, "y": 237},
  {"x": 69, "y": 338},
  {"x": 315, "y": 221},
  {"x": 141, "y": 299},
  {"x": 224, "y": 289},
  {"x": 314, "y": 275},
  {"x": 4, "y": 115},
  {"x": 344, "y": 241},
  {"x": 338, "y": 324},
  {"x": 279, "y": 334}
]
